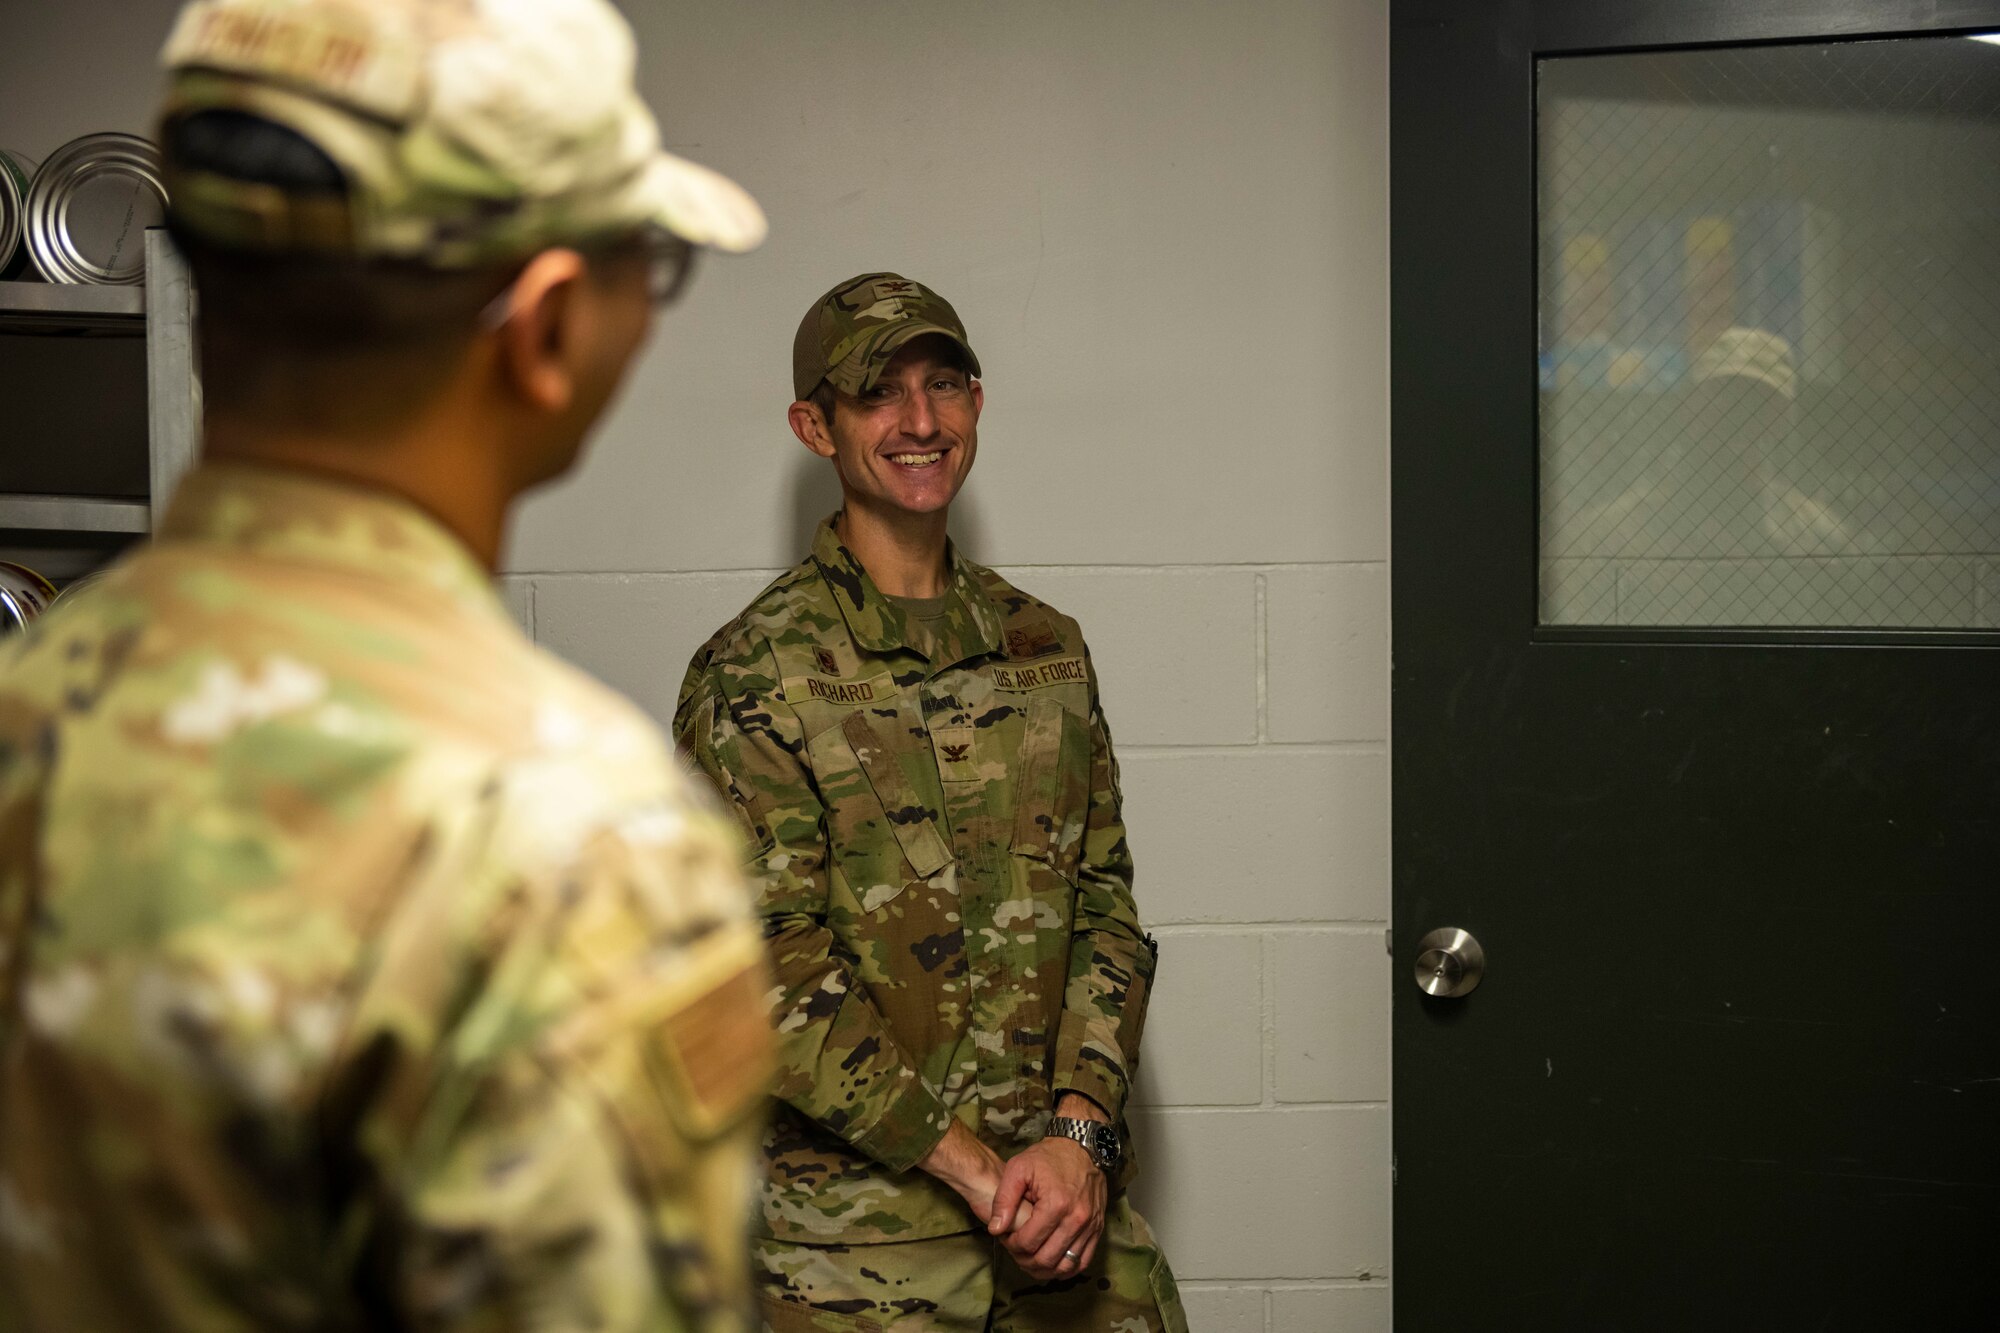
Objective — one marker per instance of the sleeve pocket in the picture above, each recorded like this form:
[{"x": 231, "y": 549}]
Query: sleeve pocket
[
  {"x": 744, "y": 803},
  {"x": 1052, "y": 792}
]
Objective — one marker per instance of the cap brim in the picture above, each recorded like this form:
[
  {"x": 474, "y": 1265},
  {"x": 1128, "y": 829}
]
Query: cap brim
[
  {"x": 702, "y": 206},
  {"x": 884, "y": 351}
]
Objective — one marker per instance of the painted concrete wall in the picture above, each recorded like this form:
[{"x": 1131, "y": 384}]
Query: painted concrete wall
[{"x": 1165, "y": 225}]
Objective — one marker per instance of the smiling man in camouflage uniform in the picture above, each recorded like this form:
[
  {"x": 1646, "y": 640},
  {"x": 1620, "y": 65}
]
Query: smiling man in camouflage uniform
[
  {"x": 361, "y": 966},
  {"x": 918, "y": 755}
]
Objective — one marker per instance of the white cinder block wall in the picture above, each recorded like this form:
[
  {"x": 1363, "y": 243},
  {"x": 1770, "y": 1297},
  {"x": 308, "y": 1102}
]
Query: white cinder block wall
[{"x": 1164, "y": 222}]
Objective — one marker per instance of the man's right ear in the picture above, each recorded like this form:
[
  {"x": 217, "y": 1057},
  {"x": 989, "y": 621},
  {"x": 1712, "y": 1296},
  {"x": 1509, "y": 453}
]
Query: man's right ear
[
  {"x": 543, "y": 333},
  {"x": 813, "y": 430}
]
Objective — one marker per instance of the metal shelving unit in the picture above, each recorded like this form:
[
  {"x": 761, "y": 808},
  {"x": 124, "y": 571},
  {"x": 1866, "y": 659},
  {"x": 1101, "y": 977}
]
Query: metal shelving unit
[
  {"x": 67, "y": 535},
  {"x": 74, "y": 513},
  {"x": 53, "y": 307}
]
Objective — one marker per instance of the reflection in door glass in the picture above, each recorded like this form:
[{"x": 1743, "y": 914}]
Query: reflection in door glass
[{"x": 1770, "y": 336}]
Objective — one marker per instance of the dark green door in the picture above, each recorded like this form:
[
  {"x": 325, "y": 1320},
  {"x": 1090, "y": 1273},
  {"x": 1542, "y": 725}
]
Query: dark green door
[{"x": 1696, "y": 477}]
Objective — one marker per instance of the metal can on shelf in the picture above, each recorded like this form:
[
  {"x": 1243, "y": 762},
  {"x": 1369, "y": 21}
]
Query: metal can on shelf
[
  {"x": 24, "y": 594},
  {"x": 16, "y": 173},
  {"x": 90, "y": 206},
  {"x": 77, "y": 585}
]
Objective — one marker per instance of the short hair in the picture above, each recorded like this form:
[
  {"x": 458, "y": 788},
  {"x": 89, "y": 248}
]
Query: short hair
[
  {"x": 327, "y": 341},
  {"x": 824, "y": 397}
]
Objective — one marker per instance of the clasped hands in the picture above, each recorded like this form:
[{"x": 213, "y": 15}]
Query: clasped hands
[{"x": 1045, "y": 1204}]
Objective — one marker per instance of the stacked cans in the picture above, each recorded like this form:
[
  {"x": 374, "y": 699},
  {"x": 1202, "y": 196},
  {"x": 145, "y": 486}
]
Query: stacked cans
[
  {"x": 16, "y": 172},
  {"x": 81, "y": 217}
]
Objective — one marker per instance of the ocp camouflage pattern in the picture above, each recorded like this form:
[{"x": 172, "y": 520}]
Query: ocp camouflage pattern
[
  {"x": 851, "y": 333},
  {"x": 943, "y": 875},
  {"x": 958, "y": 1284},
  {"x": 467, "y": 131},
  {"x": 361, "y": 966}
]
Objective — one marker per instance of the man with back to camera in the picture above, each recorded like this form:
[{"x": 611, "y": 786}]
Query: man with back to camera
[
  {"x": 360, "y": 965},
  {"x": 916, "y": 751}
]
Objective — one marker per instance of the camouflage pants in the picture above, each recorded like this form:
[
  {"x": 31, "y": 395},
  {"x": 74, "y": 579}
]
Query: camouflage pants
[{"x": 966, "y": 1284}]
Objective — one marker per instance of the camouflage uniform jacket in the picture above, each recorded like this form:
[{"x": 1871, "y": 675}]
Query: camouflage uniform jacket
[
  {"x": 361, "y": 966},
  {"x": 944, "y": 880}
]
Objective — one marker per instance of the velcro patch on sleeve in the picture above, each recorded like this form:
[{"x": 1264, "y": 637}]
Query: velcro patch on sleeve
[
  {"x": 715, "y": 1041},
  {"x": 1034, "y": 638},
  {"x": 1041, "y": 675}
]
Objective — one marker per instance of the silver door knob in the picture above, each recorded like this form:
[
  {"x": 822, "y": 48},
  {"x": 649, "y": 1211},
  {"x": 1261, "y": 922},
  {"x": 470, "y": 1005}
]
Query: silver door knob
[{"x": 1449, "y": 963}]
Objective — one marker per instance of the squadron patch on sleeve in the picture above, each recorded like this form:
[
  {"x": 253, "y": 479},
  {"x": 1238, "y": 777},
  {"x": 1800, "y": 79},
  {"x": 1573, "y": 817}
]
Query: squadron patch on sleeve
[{"x": 1036, "y": 638}]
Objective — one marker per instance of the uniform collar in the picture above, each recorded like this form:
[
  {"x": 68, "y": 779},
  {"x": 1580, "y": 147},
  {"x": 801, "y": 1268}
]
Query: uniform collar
[
  {"x": 878, "y": 625},
  {"x": 293, "y": 515}
]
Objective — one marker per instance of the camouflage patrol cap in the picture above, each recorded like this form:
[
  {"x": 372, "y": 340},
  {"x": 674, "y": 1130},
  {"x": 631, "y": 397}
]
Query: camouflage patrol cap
[
  {"x": 468, "y": 130},
  {"x": 853, "y": 331}
]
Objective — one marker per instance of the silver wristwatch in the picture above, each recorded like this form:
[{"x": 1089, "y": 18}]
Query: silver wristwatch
[{"x": 1100, "y": 1141}]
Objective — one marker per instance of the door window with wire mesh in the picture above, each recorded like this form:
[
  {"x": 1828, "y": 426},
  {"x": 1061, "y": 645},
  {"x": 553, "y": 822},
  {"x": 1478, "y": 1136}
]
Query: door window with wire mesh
[{"x": 1770, "y": 336}]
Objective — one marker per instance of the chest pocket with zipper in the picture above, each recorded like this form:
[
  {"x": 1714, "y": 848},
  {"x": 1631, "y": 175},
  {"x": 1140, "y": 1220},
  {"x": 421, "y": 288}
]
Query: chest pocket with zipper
[{"x": 884, "y": 836}]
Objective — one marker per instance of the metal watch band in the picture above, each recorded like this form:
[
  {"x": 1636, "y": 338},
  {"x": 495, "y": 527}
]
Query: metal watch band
[{"x": 1100, "y": 1141}]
